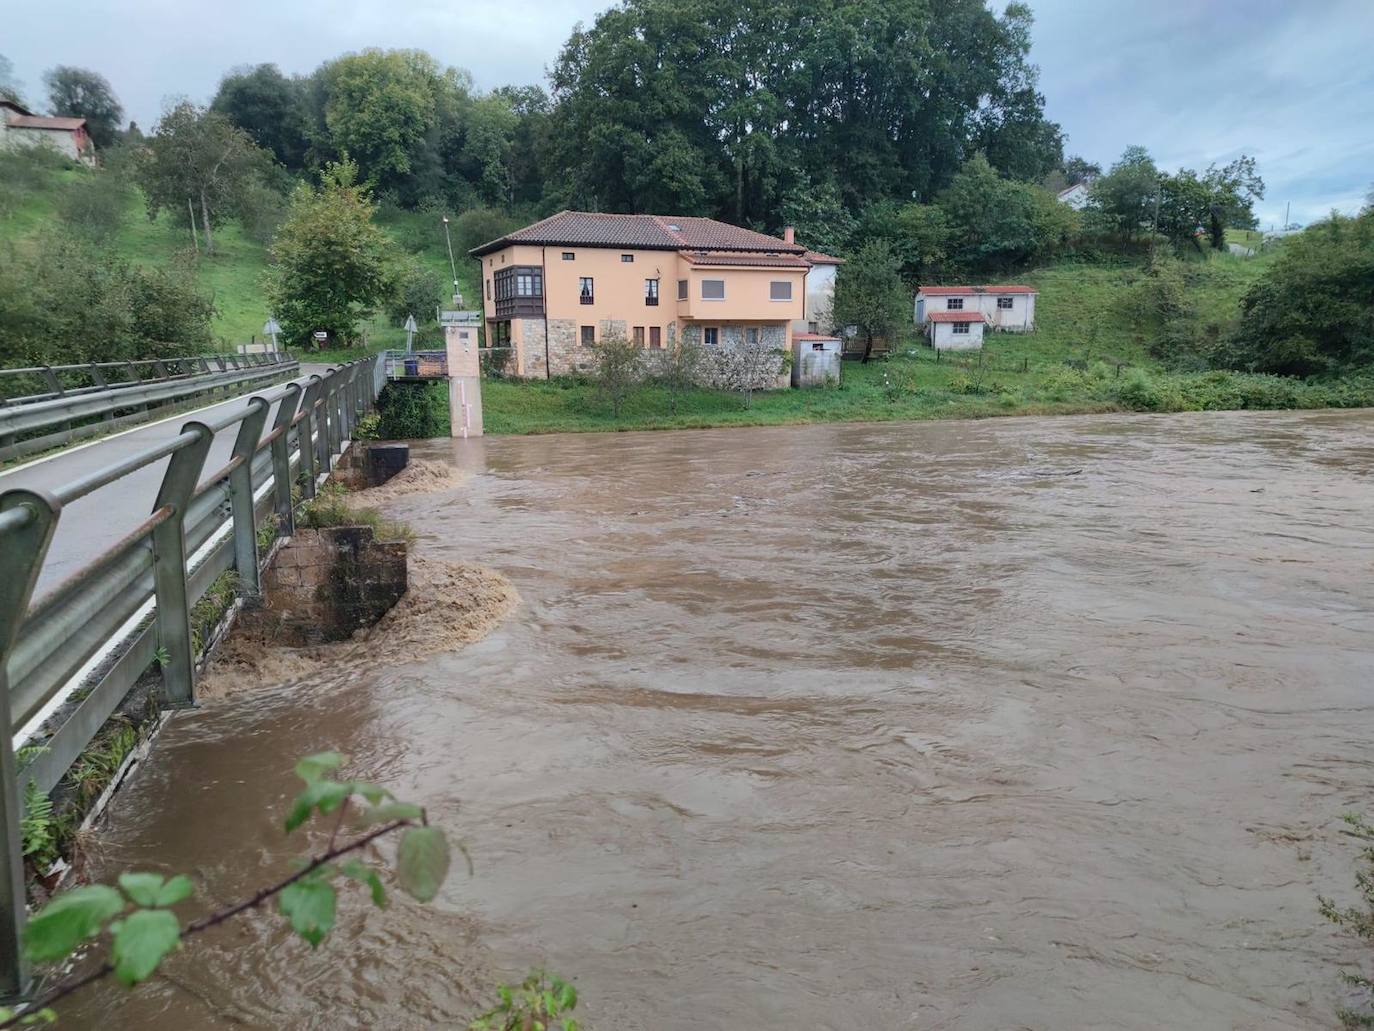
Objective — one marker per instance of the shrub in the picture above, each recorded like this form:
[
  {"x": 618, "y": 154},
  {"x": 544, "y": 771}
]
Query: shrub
[
  {"x": 618, "y": 370},
  {"x": 94, "y": 206},
  {"x": 411, "y": 411},
  {"x": 1138, "y": 392},
  {"x": 416, "y": 290},
  {"x": 261, "y": 211}
]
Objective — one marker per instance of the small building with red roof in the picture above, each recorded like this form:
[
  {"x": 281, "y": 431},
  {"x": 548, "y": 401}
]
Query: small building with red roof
[
  {"x": 20, "y": 127},
  {"x": 1008, "y": 307}
]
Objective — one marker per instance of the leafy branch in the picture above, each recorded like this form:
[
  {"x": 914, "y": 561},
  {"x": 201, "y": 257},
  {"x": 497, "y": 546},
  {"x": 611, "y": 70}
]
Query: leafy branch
[{"x": 142, "y": 937}]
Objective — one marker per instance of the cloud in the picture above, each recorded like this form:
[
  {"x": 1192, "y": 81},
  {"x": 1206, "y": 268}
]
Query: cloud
[{"x": 1195, "y": 81}]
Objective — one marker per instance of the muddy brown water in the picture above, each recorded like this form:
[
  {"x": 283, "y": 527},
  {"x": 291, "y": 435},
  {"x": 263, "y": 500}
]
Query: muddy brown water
[{"x": 1007, "y": 724}]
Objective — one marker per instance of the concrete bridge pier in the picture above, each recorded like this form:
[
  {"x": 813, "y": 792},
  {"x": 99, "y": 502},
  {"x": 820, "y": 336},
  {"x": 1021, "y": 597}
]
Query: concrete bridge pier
[{"x": 461, "y": 337}]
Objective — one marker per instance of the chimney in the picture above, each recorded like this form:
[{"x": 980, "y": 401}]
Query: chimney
[{"x": 789, "y": 234}]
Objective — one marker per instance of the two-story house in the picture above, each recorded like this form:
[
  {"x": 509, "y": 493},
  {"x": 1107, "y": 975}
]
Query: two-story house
[{"x": 552, "y": 290}]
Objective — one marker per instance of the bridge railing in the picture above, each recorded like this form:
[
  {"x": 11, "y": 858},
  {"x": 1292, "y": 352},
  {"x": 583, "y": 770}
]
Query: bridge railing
[
  {"x": 70, "y": 660},
  {"x": 416, "y": 365},
  {"x": 59, "y": 414}
]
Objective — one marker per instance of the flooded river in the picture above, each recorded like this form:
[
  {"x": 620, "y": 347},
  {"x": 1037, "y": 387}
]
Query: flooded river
[{"x": 1020, "y": 723}]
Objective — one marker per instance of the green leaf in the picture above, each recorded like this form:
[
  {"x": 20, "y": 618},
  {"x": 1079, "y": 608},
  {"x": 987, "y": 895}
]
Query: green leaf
[
  {"x": 141, "y": 940},
  {"x": 359, "y": 871},
  {"x": 68, "y": 920},
  {"x": 324, "y": 795},
  {"x": 142, "y": 888},
  {"x": 178, "y": 889},
  {"x": 309, "y": 904},
  {"x": 392, "y": 811},
  {"x": 371, "y": 792},
  {"x": 571, "y": 1024},
  {"x": 313, "y": 767},
  {"x": 567, "y": 994},
  {"x": 422, "y": 862}
]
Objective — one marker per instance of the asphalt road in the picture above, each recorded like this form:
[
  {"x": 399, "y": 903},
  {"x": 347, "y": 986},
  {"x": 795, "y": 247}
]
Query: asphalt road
[{"x": 90, "y": 525}]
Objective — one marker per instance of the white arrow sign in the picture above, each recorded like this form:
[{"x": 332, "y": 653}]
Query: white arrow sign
[
  {"x": 410, "y": 330},
  {"x": 272, "y": 329}
]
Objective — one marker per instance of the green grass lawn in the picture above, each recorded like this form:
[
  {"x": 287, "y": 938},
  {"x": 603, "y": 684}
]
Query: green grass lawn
[{"x": 233, "y": 275}]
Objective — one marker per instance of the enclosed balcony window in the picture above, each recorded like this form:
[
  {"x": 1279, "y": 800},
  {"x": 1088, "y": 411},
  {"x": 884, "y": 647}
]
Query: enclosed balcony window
[
  {"x": 519, "y": 290},
  {"x": 585, "y": 290}
]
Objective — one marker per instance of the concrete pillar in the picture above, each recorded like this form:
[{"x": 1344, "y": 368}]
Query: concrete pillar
[{"x": 461, "y": 333}]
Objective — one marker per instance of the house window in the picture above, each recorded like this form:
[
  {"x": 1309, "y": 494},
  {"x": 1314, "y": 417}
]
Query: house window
[
  {"x": 813, "y": 327},
  {"x": 499, "y": 334},
  {"x": 656, "y": 338},
  {"x": 651, "y": 292},
  {"x": 752, "y": 335},
  {"x": 1004, "y": 303},
  {"x": 780, "y": 290},
  {"x": 489, "y": 289},
  {"x": 955, "y": 304},
  {"x": 710, "y": 336},
  {"x": 585, "y": 291},
  {"x": 627, "y": 258},
  {"x": 682, "y": 289},
  {"x": 961, "y": 327},
  {"x": 639, "y": 336},
  {"x": 529, "y": 284},
  {"x": 569, "y": 255},
  {"x": 588, "y": 336},
  {"x": 713, "y": 289}
]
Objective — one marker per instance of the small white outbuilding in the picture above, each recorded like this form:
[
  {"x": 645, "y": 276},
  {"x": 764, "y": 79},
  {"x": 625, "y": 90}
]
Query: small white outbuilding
[
  {"x": 956, "y": 330},
  {"x": 1007, "y": 307}
]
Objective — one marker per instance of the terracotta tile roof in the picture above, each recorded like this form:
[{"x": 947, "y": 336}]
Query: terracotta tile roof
[
  {"x": 817, "y": 258},
  {"x": 956, "y": 316},
  {"x": 43, "y": 122},
  {"x": 958, "y": 291},
  {"x": 751, "y": 260},
  {"x": 648, "y": 232}
]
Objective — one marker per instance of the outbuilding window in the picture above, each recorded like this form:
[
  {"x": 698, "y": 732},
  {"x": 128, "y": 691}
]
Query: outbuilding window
[
  {"x": 961, "y": 327},
  {"x": 713, "y": 289},
  {"x": 1004, "y": 303},
  {"x": 780, "y": 290},
  {"x": 955, "y": 304}
]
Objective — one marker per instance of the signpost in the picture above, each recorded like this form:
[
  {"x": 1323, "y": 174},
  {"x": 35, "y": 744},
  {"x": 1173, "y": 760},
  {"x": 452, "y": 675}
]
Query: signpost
[
  {"x": 410, "y": 332},
  {"x": 271, "y": 329}
]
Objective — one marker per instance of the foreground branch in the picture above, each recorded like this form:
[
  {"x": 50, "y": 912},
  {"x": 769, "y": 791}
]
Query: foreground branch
[{"x": 213, "y": 919}]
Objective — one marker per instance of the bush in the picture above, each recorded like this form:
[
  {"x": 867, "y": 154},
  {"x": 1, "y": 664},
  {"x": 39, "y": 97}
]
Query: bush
[
  {"x": 619, "y": 369},
  {"x": 94, "y": 206},
  {"x": 478, "y": 226},
  {"x": 412, "y": 411},
  {"x": 261, "y": 211},
  {"x": 1138, "y": 392}
]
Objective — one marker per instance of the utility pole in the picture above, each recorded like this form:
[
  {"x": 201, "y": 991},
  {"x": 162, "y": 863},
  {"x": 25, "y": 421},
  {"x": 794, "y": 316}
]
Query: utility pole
[{"x": 452, "y": 267}]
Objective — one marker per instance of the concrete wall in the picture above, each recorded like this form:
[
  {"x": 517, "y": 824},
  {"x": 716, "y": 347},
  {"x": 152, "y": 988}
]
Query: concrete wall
[
  {"x": 68, "y": 144},
  {"x": 323, "y": 585}
]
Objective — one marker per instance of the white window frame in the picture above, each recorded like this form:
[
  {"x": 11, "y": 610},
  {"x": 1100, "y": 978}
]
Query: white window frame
[
  {"x": 710, "y": 329},
  {"x": 960, "y": 328},
  {"x": 722, "y": 289},
  {"x": 1006, "y": 303},
  {"x": 954, "y": 304}
]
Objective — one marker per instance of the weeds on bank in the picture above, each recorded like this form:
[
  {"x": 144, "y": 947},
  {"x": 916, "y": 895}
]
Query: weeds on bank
[
  {"x": 331, "y": 507},
  {"x": 1357, "y": 920}
]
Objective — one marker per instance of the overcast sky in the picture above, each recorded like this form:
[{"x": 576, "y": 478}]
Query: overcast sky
[{"x": 1290, "y": 82}]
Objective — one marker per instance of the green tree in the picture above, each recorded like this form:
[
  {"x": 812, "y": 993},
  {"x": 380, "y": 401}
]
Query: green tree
[
  {"x": 1124, "y": 198},
  {"x": 869, "y": 295},
  {"x": 1313, "y": 310},
  {"x": 332, "y": 265},
  {"x": 270, "y": 108},
  {"x": 820, "y": 216},
  {"x": 996, "y": 223},
  {"x": 416, "y": 290},
  {"x": 82, "y": 93},
  {"x": 10, "y": 87},
  {"x": 198, "y": 160}
]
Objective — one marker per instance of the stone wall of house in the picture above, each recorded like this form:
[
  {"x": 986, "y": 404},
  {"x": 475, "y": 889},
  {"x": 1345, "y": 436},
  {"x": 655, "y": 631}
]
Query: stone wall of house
[
  {"x": 532, "y": 346},
  {"x": 323, "y": 585},
  {"x": 774, "y": 336}
]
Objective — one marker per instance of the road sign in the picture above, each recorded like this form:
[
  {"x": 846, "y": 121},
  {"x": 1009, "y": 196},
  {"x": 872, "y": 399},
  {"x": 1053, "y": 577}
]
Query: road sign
[
  {"x": 410, "y": 330},
  {"x": 271, "y": 329}
]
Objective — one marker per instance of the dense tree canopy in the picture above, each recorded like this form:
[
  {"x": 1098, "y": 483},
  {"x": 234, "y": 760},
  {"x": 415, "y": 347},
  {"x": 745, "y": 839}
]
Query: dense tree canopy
[
  {"x": 869, "y": 295},
  {"x": 270, "y": 108},
  {"x": 723, "y": 108},
  {"x": 81, "y": 93}
]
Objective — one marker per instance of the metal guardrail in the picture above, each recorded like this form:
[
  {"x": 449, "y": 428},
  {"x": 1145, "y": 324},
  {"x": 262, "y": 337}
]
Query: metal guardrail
[
  {"x": 55, "y": 416},
  {"x": 131, "y": 605},
  {"x": 414, "y": 365}
]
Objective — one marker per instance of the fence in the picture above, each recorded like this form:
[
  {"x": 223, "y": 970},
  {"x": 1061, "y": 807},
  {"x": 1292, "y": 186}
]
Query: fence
[
  {"x": 131, "y": 606},
  {"x": 410, "y": 365},
  {"x": 60, "y": 412}
]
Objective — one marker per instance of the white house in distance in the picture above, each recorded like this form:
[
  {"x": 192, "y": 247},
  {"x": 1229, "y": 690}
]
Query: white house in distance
[
  {"x": 820, "y": 289},
  {"x": 1076, "y": 196},
  {"x": 1008, "y": 307},
  {"x": 20, "y": 127}
]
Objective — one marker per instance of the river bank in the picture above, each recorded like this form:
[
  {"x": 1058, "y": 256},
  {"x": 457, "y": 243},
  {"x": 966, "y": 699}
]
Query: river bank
[{"x": 1032, "y": 722}]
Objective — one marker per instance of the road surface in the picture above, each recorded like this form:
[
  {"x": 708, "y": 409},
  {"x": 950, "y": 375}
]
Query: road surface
[{"x": 90, "y": 525}]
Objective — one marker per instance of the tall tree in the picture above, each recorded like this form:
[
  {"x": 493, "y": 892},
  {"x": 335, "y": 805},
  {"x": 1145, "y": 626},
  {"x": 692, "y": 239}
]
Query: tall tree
[
  {"x": 1124, "y": 199},
  {"x": 82, "y": 93},
  {"x": 998, "y": 223},
  {"x": 198, "y": 160},
  {"x": 332, "y": 265},
  {"x": 869, "y": 294},
  {"x": 11, "y": 88},
  {"x": 269, "y": 107}
]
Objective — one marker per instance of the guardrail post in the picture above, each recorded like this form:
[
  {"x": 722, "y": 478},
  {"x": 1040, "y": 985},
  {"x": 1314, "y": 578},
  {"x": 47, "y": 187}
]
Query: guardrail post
[
  {"x": 21, "y": 558},
  {"x": 331, "y": 404},
  {"x": 98, "y": 376},
  {"x": 306, "y": 435},
  {"x": 169, "y": 566},
  {"x": 159, "y": 368},
  {"x": 281, "y": 460},
  {"x": 241, "y": 496}
]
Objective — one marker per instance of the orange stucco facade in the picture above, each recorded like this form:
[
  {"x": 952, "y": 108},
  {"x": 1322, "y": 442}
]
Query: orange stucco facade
[{"x": 551, "y": 319}]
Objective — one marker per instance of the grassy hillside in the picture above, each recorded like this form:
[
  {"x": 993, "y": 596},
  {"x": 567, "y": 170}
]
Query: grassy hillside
[{"x": 233, "y": 274}]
